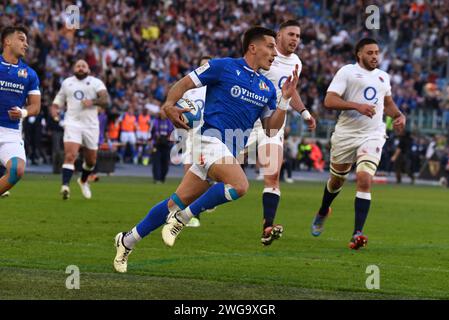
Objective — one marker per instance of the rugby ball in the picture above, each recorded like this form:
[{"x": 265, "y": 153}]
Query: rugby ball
[{"x": 191, "y": 118}]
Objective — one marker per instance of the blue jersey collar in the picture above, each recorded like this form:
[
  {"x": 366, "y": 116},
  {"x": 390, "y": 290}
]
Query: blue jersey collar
[
  {"x": 2, "y": 61},
  {"x": 246, "y": 66}
]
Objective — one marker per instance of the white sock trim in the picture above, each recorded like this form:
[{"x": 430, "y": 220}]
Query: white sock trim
[
  {"x": 136, "y": 235},
  {"x": 363, "y": 195},
  {"x": 87, "y": 168},
  {"x": 68, "y": 166},
  {"x": 276, "y": 191},
  {"x": 185, "y": 215}
]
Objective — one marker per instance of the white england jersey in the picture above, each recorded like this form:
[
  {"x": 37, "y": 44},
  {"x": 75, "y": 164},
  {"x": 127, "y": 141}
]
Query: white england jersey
[
  {"x": 72, "y": 92},
  {"x": 356, "y": 84},
  {"x": 281, "y": 68}
]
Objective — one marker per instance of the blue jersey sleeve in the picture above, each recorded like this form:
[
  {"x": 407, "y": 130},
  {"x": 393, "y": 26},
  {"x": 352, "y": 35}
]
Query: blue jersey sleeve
[
  {"x": 209, "y": 73},
  {"x": 33, "y": 86}
]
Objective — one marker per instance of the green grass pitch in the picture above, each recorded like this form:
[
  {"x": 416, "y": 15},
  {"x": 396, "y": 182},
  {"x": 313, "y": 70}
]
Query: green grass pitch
[{"x": 40, "y": 235}]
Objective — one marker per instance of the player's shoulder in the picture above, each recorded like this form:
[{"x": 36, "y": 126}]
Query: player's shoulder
[
  {"x": 384, "y": 74},
  {"x": 350, "y": 67},
  {"x": 294, "y": 59},
  {"x": 94, "y": 80}
]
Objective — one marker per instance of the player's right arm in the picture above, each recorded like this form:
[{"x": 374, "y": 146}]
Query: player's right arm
[
  {"x": 174, "y": 94},
  {"x": 337, "y": 88},
  {"x": 58, "y": 103},
  {"x": 204, "y": 75},
  {"x": 335, "y": 102}
]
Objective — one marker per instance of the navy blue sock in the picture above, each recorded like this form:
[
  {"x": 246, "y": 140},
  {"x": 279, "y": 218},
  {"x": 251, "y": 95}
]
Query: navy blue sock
[
  {"x": 328, "y": 197},
  {"x": 66, "y": 176},
  {"x": 214, "y": 196},
  {"x": 270, "y": 203},
  {"x": 361, "y": 213},
  {"x": 154, "y": 219}
]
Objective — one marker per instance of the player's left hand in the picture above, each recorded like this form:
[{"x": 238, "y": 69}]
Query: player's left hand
[
  {"x": 87, "y": 103},
  {"x": 399, "y": 123},
  {"x": 290, "y": 84},
  {"x": 15, "y": 113},
  {"x": 311, "y": 123}
]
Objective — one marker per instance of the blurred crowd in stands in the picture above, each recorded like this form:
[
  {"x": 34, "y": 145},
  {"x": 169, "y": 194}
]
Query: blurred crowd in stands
[{"x": 139, "y": 48}]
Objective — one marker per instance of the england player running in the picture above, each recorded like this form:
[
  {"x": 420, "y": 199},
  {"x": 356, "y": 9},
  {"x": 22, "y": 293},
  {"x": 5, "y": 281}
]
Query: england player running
[
  {"x": 270, "y": 149},
  {"x": 362, "y": 93},
  {"x": 82, "y": 94},
  {"x": 19, "y": 97},
  {"x": 237, "y": 95}
]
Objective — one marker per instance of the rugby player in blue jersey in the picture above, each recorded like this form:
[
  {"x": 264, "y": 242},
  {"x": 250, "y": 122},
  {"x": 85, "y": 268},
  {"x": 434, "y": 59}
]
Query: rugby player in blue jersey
[
  {"x": 237, "y": 95},
  {"x": 19, "y": 97}
]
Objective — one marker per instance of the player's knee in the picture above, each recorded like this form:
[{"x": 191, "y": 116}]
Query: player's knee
[
  {"x": 338, "y": 177},
  {"x": 16, "y": 171},
  {"x": 236, "y": 190},
  {"x": 367, "y": 164},
  {"x": 363, "y": 182},
  {"x": 69, "y": 158},
  {"x": 271, "y": 181},
  {"x": 335, "y": 184}
]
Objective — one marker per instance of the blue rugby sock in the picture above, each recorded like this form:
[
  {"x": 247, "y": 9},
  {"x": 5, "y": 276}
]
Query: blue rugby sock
[
  {"x": 217, "y": 194},
  {"x": 154, "y": 219}
]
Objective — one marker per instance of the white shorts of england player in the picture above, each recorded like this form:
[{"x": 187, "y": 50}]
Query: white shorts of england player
[
  {"x": 211, "y": 151},
  {"x": 347, "y": 149},
  {"x": 87, "y": 137},
  {"x": 143, "y": 135},
  {"x": 128, "y": 137},
  {"x": 259, "y": 137},
  {"x": 11, "y": 145}
]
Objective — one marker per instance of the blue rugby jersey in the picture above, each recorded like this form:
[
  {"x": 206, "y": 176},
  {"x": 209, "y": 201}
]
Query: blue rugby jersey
[
  {"x": 17, "y": 81},
  {"x": 236, "y": 97}
]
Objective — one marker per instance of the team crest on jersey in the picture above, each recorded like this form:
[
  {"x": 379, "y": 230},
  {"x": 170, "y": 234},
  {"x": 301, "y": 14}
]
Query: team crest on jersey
[
  {"x": 381, "y": 79},
  {"x": 263, "y": 86},
  {"x": 22, "y": 73}
]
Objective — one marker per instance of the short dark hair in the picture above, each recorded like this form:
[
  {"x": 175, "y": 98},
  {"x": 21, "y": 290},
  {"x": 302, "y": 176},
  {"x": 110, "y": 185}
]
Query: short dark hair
[
  {"x": 289, "y": 23},
  {"x": 254, "y": 34},
  {"x": 363, "y": 42},
  {"x": 201, "y": 58},
  {"x": 10, "y": 30}
]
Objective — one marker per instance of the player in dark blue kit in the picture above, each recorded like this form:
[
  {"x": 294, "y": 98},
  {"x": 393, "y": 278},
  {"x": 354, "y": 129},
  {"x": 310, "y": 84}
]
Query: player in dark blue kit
[
  {"x": 19, "y": 97},
  {"x": 237, "y": 95}
]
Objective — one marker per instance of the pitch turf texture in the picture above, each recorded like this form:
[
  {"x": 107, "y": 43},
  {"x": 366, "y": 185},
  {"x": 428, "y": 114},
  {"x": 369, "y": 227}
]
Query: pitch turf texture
[{"x": 40, "y": 235}]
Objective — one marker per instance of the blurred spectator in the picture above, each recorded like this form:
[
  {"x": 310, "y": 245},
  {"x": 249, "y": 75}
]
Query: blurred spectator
[
  {"x": 304, "y": 150},
  {"x": 402, "y": 157},
  {"x": 139, "y": 48},
  {"x": 160, "y": 133},
  {"x": 143, "y": 135},
  {"x": 287, "y": 165},
  {"x": 128, "y": 128}
]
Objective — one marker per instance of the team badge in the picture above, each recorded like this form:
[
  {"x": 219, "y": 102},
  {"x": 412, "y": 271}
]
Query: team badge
[
  {"x": 381, "y": 79},
  {"x": 263, "y": 86},
  {"x": 22, "y": 73}
]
